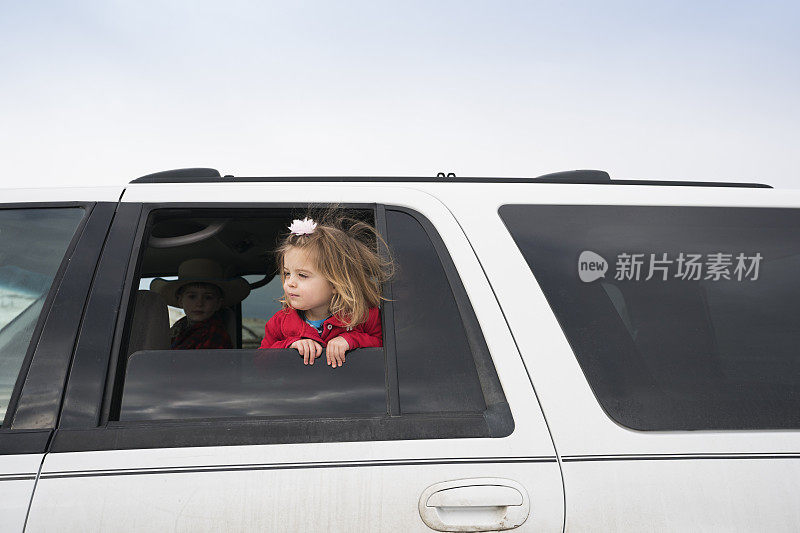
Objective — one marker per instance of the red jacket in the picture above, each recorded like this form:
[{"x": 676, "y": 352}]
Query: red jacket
[{"x": 286, "y": 327}]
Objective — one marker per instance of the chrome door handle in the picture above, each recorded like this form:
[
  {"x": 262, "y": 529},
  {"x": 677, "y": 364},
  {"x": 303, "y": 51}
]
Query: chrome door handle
[{"x": 476, "y": 504}]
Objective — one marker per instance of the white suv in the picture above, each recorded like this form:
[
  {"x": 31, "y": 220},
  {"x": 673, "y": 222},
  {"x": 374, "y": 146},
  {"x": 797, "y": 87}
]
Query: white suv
[{"x": 564, "y": 352}]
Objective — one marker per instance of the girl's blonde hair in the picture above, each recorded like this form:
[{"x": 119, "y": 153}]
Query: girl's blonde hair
[{"x": 345, "y": 252}]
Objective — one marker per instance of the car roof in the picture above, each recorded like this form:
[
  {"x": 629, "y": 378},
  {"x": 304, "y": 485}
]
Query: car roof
[{"x": 63, "y": 194}]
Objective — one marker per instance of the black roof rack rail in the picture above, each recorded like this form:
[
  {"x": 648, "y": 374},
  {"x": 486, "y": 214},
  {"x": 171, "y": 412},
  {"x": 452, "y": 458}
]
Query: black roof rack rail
[
  {"x": 657, "y": 183},
  {"x": 589, "y": 177},
  {"x": 179, "y": 175},
  {"x": 576, "y": 176}
]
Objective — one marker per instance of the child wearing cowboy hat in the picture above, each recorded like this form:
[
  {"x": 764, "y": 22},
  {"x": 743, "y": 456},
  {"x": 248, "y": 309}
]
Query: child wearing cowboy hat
[{"x": 201, "y": 290}]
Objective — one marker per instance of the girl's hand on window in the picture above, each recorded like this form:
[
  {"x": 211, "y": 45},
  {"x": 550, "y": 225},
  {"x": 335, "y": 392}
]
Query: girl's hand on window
[
  {"x": 309, "y": 349},
  {"x": 335, "y": 351}
]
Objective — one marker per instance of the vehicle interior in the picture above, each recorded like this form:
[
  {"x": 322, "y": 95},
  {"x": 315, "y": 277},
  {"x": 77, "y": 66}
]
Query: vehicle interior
[
  {"x": 165, "y": 384},
  {"x": 242, "y": 245},
  {"x": 242, "y": 242}
]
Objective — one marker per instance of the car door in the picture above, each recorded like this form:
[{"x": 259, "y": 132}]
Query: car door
[
  {"x": 46, "y": 263},
  {"x": 660, "y": 327},
  {"x": 454, "y": 437}
]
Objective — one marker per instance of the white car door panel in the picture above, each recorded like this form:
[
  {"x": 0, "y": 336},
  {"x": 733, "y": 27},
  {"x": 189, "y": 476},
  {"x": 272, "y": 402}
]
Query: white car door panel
[
  {"x": 16, "y": 488},
  {"x": 617, "y": 478},
  {"x": 91, "y": 482},
  {"x": 379, "y": 496}
]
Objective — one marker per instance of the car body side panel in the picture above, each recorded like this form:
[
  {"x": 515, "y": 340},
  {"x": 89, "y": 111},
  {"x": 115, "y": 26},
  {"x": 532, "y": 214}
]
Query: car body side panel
[
  {"x": 737, "y": 493},
  {"x": 377, "y": 497},
  {"x": 340, "y": 486},
  {"x": 17, "y": 481},
  {"x": 616, "y": 478}
]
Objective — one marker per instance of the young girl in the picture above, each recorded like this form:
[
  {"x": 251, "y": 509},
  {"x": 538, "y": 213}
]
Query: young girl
[{"x": 332, "y": 288}]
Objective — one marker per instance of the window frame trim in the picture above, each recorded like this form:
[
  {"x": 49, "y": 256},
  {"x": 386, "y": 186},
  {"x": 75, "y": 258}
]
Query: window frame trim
[{"x": 105, "y": 434}]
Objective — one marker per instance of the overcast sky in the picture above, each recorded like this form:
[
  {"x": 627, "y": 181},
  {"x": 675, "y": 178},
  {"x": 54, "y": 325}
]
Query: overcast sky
[{"x": 100, "y": 92}]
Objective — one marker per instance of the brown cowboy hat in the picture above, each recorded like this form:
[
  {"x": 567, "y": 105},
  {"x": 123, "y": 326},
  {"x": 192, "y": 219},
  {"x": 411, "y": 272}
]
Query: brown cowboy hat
[{"x": 234, "y": 290}]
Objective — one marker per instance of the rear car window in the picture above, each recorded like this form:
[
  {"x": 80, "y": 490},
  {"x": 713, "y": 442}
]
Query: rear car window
[{"x": 682, "y": 318}]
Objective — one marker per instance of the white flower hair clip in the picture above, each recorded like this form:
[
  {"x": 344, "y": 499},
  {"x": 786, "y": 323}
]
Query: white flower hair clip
[{"x": 303, "y": 227}]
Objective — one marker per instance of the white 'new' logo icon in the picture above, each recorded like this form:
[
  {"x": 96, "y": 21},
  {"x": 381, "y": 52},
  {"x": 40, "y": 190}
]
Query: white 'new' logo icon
[{"x": 591, "y": 266}]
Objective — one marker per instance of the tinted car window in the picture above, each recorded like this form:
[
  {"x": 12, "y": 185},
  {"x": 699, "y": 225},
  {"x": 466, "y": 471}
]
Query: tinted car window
[
  {"x": 435, "y": 365},
  {"x": 32, "y": 246},
  {"x": 681, "y": 318},
  {"x": 183, "y": 384}
]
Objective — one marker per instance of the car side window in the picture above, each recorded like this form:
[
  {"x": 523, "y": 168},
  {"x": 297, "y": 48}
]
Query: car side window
[
  {"x": 32, "y": 246},
  {"x": 429, "y": 364},
  {"x": 682, "y": 318}
]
